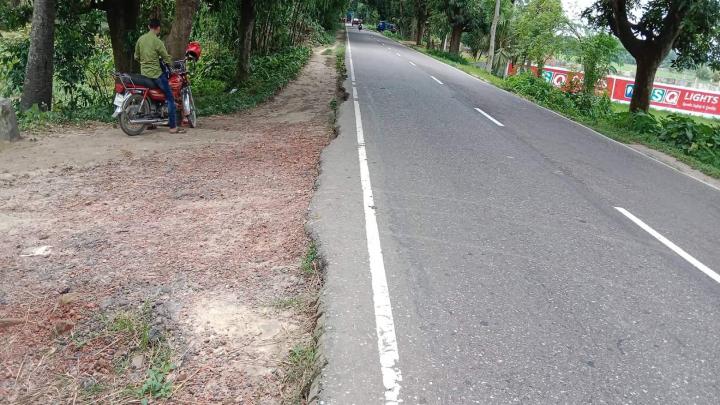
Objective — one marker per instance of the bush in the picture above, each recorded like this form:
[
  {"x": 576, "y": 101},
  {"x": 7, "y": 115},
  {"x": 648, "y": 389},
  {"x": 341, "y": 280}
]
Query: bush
[
  {"x": 539, "y": 90},
  {"x": 695, "y": 139},
  {"x": 13, "y": 58}
]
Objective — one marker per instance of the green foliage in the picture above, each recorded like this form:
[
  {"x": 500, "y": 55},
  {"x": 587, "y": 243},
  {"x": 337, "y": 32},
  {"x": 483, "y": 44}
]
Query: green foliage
[
  {"x": 597, "y": 54},
  {"x": 695, "y": 139},
  {"x": 14, "y": 17},
  {"x": 13, "y": 58},
  {"x": 539, "y": 90},
  {"x": 75, "y": 49},
  {"x": 156, "y": 384},
  {"x": 698, "y": 37},
  {"x": 536, "y": 30},
  {"x": 704, "y": 73}
]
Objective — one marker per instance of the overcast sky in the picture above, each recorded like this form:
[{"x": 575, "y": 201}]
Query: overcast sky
[{"x": 573, "y": 8}]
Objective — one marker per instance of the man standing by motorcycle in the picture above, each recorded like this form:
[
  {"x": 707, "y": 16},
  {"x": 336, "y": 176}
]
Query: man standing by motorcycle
[{"x": 148, "y": 51}]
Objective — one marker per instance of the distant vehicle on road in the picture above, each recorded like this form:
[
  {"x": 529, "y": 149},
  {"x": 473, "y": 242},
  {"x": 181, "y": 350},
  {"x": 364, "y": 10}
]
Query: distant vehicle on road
[
  {"x": 384, "y": 25},
  {"x": 356, "y": 21}
]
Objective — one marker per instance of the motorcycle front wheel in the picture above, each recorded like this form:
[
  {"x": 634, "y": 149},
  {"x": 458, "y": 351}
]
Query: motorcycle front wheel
[
  {"x": 133, "y": 108},
  {"x": 189, "y": 108}
]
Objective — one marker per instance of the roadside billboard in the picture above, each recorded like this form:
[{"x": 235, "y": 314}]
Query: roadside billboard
[{"x": 663, "y": 96}]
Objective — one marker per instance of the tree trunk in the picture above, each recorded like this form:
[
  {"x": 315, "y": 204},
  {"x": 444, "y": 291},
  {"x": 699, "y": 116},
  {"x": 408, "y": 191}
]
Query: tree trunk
[
  {"x": 179, "y": 35},
  {"x": 493, "y": 30},
  {"x": 644, "y": 77},
  {"x": 122, "y": 17},
  {"x": 419, "y": 30},
  {"x": 37, "y": 88},
  {"x": 455, "y": 40},
  {"x": 245, "y": 31}
]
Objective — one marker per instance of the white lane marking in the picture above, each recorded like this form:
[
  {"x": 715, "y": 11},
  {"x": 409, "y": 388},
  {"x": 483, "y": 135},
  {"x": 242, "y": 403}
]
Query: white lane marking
[
  {"x": 498, "y": 123},
  {"x": 412, "y": 63},
  {"x": 675, "y": 248},
  {"x": 594, "y": 132},
  {"x": 435, "y": 78},
  {"x": 397, "y": 53},
  {"x": 384, "y": 324}
]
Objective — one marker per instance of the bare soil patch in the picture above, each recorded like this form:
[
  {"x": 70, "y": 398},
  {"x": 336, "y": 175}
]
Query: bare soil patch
[{"x": 164, "y": 267}]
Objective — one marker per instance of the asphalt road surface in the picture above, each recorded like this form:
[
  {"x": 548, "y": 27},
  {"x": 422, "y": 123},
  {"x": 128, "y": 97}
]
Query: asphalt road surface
[{"x": 520, "y": 258}]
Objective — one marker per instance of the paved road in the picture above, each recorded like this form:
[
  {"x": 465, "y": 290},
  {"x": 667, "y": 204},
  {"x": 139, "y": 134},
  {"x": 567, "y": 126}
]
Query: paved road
[{"x": 511, "y": 274}]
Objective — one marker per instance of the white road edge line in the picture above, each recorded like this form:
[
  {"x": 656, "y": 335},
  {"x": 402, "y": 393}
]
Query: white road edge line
[
  {"x": 675, "y": 248},
  {"x": 498, "y": 123},
  {"x": 412, "y": 63},
  {"x": 435, "y": 78},
  {"x": 384, "y": 324}
]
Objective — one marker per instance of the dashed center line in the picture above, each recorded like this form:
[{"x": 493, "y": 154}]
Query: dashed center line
[
  {"x": 436, "y": 79},
  {"x": 397, "y": 53},
  {"x": 488, "y": 116},
  {"x": 675, "y": 248},
  {"x": 412, "y": 63}
]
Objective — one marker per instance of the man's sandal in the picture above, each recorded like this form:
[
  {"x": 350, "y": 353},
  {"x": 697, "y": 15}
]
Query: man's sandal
[{"x": 177, "y": 130}]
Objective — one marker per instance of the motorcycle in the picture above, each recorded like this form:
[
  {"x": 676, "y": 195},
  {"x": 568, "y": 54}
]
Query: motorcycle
[
  {"x": 359, "y": 27},
  {"x": 139, "y": 102}
]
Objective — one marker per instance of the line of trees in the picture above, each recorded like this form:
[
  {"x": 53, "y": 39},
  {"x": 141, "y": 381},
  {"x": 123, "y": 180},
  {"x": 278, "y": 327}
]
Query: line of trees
[
  {"x": 532, "y": 31},
  {"x": 247, "y": 26}
]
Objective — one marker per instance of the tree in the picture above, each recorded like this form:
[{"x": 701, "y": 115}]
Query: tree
[
  {"x": 37, "y": 88},
  {"x": 650, "y": 30},
  {"x": 493, "y": 30},
  {"x": 122, "y": 18},
  {"x": 421, "y": 15},
  {"x": 536, "y": 29},
  {"x": 179, "y": 35},
  {"x": 245, "y": 32},
  {"x": 462, "y": 15},
  {"x": 597, "y": 53}
]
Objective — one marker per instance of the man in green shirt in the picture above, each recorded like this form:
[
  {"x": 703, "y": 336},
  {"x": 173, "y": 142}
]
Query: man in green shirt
[{"x": 148, "y": 51}]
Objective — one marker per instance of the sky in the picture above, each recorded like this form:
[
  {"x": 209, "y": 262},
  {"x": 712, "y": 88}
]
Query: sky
[{"x": 573, "y": 8}]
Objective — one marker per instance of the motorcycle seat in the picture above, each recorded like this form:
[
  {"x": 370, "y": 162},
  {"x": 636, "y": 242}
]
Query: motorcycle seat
[{"x": 139, "y": 80}]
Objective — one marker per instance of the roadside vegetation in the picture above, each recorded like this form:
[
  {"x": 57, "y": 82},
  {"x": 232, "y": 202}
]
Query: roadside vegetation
[
  {"x": 94, "y": 39},
  {"x": 481, "y": 37}
]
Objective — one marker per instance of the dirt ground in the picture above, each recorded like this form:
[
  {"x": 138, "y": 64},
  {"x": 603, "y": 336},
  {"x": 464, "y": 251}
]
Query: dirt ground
[{"x": 164, "y": 267}]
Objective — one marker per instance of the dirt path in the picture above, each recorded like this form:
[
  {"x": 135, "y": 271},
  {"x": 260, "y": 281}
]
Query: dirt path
[{"x": 163, "y": 265}]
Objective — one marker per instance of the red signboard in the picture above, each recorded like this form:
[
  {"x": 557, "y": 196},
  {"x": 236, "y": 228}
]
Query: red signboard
[
  {"x": 663, "y": 96},
  {"x": 670, "y": 97}
]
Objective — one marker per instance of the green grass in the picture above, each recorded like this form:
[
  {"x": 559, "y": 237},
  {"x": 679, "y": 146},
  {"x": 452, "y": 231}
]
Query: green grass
[
  {"x": 309, "y": 262},
  {"x": 301, "y": 369},
  {"x": 134, "y": 326},
  {"x": 620, "y": 107}
]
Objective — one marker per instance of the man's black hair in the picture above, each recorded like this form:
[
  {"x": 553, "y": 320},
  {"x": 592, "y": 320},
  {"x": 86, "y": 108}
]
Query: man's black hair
[{"x": 154, "y": 23}]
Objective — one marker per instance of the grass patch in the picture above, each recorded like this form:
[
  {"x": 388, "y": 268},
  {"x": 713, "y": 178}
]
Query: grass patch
[
  {"x": 309, "y": 263},
  {"x": 134, "y": 327},
  {"x": 301, "y": 370},
  {"x": 340, "y": 61}
]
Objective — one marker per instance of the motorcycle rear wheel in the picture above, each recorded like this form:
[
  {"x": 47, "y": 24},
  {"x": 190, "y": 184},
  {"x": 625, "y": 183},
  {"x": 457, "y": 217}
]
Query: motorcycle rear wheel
[{"x": 134, "y": 108}]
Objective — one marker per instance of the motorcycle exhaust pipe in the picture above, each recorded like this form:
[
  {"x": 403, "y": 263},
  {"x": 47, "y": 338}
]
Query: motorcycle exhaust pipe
[{"x": 147, "y": 121}]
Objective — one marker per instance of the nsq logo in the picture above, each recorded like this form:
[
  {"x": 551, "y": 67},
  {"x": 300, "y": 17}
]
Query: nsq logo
[{"x": 663, "y": 96}]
